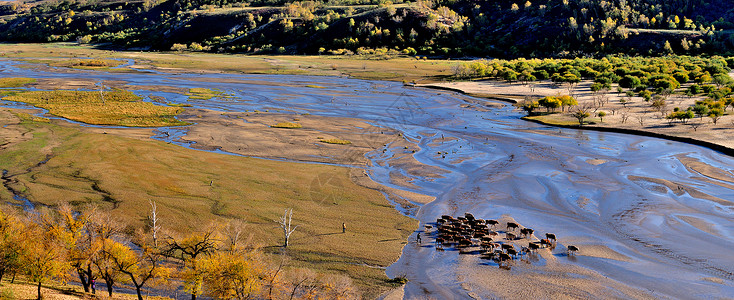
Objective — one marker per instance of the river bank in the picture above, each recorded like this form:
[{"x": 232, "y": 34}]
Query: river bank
[{"x": 633, "y": 117}]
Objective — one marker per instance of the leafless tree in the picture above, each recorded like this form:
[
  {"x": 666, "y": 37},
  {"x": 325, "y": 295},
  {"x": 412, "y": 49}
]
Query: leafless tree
[
  {"x": 101, "y": 91},
  {"x": 695, "y": 125},
  {"x": 155, "y": 225},
  {"x": 599, "y": 98},
  {"x": 285, "y": 223},
  {"x": 625, "y": 116},
  {"x": 641, "y": 119},
  {"x": 233, "y": 233}
]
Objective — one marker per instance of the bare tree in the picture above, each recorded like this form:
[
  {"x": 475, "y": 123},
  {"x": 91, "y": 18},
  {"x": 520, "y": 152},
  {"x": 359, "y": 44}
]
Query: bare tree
[
  {"x": 624, "y": 116},
  {"x": 101, "y": 91},
  {"x": 285, "y": 223},
  {"x": 233, "y": 232},
  {"x": 641, "y": 119},
  {"x": 155, "y": 226}
]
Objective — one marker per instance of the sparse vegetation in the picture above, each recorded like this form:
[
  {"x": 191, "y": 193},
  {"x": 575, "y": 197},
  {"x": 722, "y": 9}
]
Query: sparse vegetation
[
  {"x": 335, "y": 141},
  {"x": 287, "y": 125},
  {"x": 203, "y": 94}
]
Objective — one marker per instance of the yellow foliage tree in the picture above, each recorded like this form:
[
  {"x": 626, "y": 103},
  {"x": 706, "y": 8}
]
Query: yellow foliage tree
[{"x": 43, "y": 252}]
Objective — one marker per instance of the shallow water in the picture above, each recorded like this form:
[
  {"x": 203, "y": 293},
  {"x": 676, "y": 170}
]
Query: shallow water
[{"x": 496, "y": 164}]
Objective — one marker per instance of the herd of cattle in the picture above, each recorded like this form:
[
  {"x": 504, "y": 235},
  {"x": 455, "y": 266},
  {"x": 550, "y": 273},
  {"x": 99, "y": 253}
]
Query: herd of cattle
[{"x": 466, "y": 233}]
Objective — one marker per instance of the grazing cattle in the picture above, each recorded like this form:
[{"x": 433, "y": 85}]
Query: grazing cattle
[
  {"x": 478, "y": 234},
  {"x": 486, "y": 239},
  {"x": 512, "y": 225},
  {"x": 510, "y": 236},
  {"x": 550, "y": 236},
  {"x": 524, "y": 250},
  {"x": 428, "y": 227},
  {"x": 493, "y": 233},
  {"x": 512, "y": 252},
  {"x": 504, "y": 257},
  {"x": 572, "y": 250},
  {"x": 492, "y": 223},
  {"x": 469, "y": 216},
  {"x": 507, "y": 246},
  {"x": 439, "y": 243},
  {"x": 465, "y": 243},
  {"x": 533, "y": 246},
  {"x": 527, "y": 232},
  {"x": 447, "y": 217},
  {"x": 546, "y": 242},
  {"x": 479, "y": 221},
  {"x": 487, "y": 246}
]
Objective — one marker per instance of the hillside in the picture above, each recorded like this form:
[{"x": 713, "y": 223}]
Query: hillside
[{"x": 544, "y": 28}]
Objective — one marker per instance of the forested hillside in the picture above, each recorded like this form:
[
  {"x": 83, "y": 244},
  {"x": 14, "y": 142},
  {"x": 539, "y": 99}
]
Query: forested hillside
[{"x": 501, "y": 28}]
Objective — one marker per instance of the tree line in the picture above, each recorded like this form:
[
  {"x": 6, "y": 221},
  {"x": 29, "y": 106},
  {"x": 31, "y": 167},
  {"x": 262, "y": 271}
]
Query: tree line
[
  {"x": 221, "y": 261},
  {"x": 454, "y": 28}
]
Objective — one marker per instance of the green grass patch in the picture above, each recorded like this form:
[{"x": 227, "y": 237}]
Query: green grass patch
[
  {"x": 288, "y": 125},
  {"x": 122, "y": 108},
  {"x": 315, "y": 86},
  {"x": 12, "y": 82},
  {"x": 203, "y": 94},
  {"x": 335, "y": 141},
  {"x": 179, "y": 105}
]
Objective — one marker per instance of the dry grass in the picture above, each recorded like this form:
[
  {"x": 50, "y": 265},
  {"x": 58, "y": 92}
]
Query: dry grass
[
  {"x": 21, "y": 289},
  {"x": 406, "y": 69},
  {"x": 288, "y": 125},
  {"x": 74, "y": 63},
  {"x": 335, "y": 141},
  {"x": 121, "y": 108},
  {"x": 12, "y": 82},
  {"x": 123, "y": 174}
]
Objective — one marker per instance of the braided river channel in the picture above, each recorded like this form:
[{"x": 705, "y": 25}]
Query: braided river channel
[{"x": 652, "y": 218}]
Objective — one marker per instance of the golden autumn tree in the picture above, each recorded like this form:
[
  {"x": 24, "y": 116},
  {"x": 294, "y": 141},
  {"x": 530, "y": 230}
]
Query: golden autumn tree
[
  {"x": 235, "y": 271},
  {"x": 43, "y": 256},
  {"x": 142, "y": 266},
  {"x": 105, "y": 263},
  {"x": 11, "y": 232},
  {"x": 191, "y": 251}
]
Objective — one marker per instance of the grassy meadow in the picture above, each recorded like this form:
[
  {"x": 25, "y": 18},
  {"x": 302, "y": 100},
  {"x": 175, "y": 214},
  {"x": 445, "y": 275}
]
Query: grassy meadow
[
  {"x": 116, "y": 107},
  {"x": 194, "y": 188},
  {"x": 407, "y": 69}
]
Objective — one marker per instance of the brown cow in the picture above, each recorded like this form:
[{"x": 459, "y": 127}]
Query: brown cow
[
  {"x": 572, "y": 250},
  {"x": 533, "y": 246},
  {"x": 512, "y": 225},
  {"x": 510, "y": 235},
  {"x": 492, "y": 223},
  {"x": 550, "y": 236},
  {"x": 512, "y": 252},
  {"x": 527, "y": 232}
]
